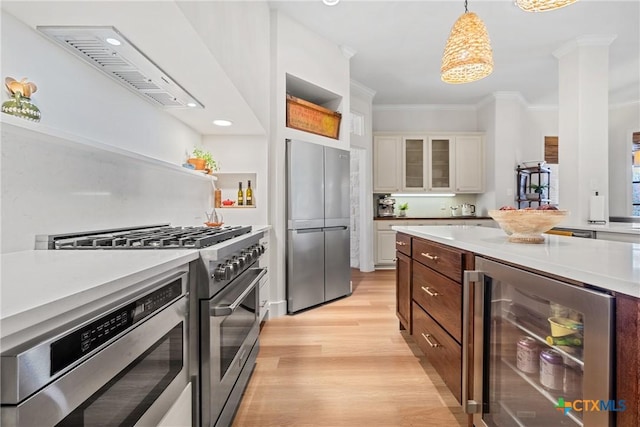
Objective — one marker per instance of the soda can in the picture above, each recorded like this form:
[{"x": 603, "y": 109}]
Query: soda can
[
  {"x": 527, "y": 359},
  {"x": 551, "y": 369}
]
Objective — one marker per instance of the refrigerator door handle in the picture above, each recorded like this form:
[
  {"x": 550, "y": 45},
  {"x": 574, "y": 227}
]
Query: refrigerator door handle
[
  {"x": 473, "y": 279},
  {"x": 308, "y": 230},
  {"x": 342, "y": 227}
]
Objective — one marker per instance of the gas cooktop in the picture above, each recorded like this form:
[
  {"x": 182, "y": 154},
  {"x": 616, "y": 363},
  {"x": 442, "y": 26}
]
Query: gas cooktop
[{"x": 161, "y": 236}]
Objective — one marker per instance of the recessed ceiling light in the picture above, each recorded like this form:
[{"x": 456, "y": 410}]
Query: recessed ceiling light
[
  {"x": 222, "y": 123},
  {"x": 112, "y": 41},
  {"x": 191, "y": 104},
  {"x": 331, "y": 2}
]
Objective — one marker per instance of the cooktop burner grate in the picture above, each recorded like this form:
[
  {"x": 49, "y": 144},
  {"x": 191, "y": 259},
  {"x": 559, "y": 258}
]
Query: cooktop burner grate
[{"x": 164, "y": 237}]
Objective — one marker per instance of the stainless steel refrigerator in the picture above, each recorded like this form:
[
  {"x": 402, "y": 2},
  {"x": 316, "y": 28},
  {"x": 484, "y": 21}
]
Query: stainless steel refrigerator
[{"x": 318, "y": 253}]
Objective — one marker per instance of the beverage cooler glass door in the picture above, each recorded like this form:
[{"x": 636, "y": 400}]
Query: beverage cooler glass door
[{"x": 542, "y": 350}]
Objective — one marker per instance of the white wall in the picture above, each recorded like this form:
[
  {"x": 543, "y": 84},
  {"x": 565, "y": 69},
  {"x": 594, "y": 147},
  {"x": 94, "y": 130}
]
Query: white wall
[
  {"x": 420, "y": 118},
  {"x": 237, "y": 32},
  {"x": 74, "y": 97},
  {"x": 242, "y": 156},
  {"x": 52, "y": 185},
  {"x": 307, "y": 56},
  {"x": 623, "y": 121},
  {"x": 487, "y": 123},
  {"x": 362, "y": 146},
  {"x": 62, "y": 187}
]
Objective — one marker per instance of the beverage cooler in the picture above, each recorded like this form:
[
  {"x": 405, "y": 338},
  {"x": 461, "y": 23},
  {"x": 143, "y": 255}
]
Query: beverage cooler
[{"x": 540, "y": 351}]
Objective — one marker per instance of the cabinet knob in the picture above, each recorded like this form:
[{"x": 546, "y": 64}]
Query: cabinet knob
[{"x": 400, "y": 243}]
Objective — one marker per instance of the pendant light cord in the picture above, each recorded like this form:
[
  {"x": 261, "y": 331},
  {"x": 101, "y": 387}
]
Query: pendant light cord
[{"x": 465, "y": 7}]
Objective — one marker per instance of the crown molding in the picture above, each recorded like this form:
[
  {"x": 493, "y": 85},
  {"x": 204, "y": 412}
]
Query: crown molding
[
  {"x": 624, "y": 104},
  {"x": 423, "y": 107},
  {"x": 347, "y": 51},
  {"x": 362, "y": 90},
  {"x": 588, "y": 40},
  {"x": 516, "y": 96}
]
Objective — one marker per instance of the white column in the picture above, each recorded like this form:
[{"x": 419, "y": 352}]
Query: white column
[{"x": 583, "y": 103}]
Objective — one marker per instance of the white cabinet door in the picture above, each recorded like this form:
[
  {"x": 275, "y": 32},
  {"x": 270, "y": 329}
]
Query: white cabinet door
[
  {"x": 441, "y": 164},
  {"x": 386, "y": 164},
  {"x": 385, "y": 247},
  {"x": 469, "y": 161},
  {"x": 414, "y": 160}
]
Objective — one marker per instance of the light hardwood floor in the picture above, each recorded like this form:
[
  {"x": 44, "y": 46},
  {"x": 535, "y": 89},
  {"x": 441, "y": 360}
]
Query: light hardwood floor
[{"x": 345, "y": 364}]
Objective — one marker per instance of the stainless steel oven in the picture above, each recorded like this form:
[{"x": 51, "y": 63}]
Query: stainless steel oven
[
  {"x": 124, "y": 365},
  {"x": 224, "y": 285},
  {"x": 229, "y": 328}
]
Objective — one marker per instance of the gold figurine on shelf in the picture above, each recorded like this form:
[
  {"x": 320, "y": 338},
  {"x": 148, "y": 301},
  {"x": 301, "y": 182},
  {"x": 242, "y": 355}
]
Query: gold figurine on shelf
[{"x": 20, "y": 103}]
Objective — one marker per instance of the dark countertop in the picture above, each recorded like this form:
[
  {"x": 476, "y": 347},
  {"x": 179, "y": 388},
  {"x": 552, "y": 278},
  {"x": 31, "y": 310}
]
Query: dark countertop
[{"x": 404, "y": 218}]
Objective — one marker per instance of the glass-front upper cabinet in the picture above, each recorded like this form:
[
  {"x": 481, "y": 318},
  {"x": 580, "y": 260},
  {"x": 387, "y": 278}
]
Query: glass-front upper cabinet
[
  {"x": 414, "y": 160},
  {"x": 441, "y": 164}
]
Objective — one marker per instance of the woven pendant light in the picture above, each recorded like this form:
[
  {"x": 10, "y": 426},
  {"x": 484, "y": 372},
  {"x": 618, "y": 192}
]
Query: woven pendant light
[
  {"x": 542, "y": 5},
  {"x": 467, "y": 56}
]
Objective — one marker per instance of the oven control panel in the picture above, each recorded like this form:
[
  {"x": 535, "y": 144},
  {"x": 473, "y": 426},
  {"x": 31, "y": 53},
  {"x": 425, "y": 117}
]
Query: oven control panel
[
  {"x": 75, "y": 345},
  {"x": 231, "y": 267}
]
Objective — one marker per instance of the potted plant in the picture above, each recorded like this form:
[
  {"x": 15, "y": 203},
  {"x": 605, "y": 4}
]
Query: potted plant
[
  {"x": 402, "y": 207},
  {"x": 537, "y": 189},
  {"x": 202, "y": 159}
]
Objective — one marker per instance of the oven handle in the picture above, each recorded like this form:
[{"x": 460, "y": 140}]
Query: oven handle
[
  {"x": 227, "y": 309},
  {"x": 475, "y": 280}
]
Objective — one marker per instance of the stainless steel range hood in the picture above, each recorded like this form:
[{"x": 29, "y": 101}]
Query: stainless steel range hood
[{"x": 122, "y": 62}]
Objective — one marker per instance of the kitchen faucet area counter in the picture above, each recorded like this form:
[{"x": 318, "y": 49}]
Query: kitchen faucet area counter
[{"x": 609, "y": 265}]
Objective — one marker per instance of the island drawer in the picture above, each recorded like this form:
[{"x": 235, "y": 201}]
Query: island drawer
[
  {"x": 440, "y": 349},
  {"x": 440, "y": 296},
  {"x": 403, "y": 243},
  {"x": 438, "y": 257}
]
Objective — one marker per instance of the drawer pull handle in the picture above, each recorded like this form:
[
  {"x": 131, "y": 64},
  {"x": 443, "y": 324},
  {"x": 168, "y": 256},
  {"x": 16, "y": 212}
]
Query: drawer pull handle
[
  {"x": 428, "y": 291},
  {"x": 428, "y": 255},
  {"x": 431, "y": 343},
  {"x": 400, "y": 243}
]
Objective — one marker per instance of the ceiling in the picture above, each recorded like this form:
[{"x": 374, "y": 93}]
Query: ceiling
[{"x": 399, "y": 46}]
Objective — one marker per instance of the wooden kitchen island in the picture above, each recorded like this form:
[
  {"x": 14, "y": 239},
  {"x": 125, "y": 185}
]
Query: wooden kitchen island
[{"x": 430, "y": 266}]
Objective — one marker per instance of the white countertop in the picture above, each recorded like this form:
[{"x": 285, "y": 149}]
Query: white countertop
[
  {"x": 610, "y": 227},
  {"x": 610, "y": 265},
  {"x": 39, "y": 285}
]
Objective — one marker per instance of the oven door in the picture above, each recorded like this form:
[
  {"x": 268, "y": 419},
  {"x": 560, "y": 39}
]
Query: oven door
[
  {"x": 131, "y": 382},
  {"x": 229, "y": 330}
]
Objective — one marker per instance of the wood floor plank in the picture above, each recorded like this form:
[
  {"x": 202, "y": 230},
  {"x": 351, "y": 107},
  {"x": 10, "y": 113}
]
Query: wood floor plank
[{"x": 346, "y": 364}]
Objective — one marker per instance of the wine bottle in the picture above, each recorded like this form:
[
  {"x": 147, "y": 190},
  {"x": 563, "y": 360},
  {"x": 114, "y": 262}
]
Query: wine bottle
[
  {"x": 240, "y": 195},
  {"x": 249, "y": 194}
]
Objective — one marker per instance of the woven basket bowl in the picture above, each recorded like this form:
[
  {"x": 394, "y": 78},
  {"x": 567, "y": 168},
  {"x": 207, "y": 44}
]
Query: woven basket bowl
[{"x": 527, "y": 226}]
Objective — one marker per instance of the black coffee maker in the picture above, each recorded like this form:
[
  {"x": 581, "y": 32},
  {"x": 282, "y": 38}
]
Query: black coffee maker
[{"x": 386, "y": 206}]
